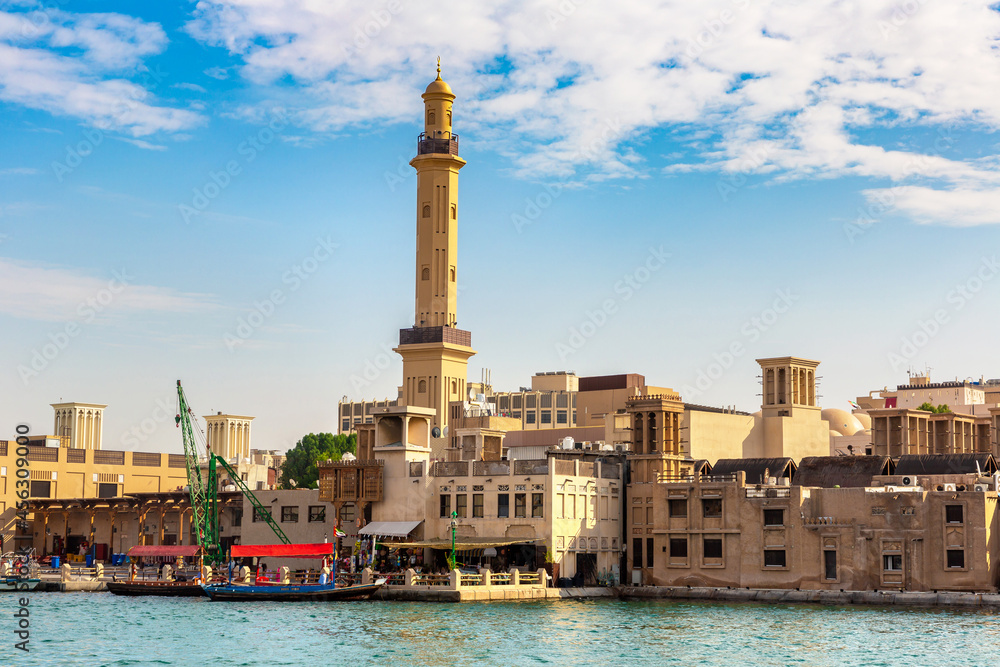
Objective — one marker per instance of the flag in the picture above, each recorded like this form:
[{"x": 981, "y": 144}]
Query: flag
[{"x": 337, "y": 532}]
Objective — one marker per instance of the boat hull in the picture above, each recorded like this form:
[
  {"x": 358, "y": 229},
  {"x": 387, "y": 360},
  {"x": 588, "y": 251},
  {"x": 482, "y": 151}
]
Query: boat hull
[
  {"x": 292, "y": 592},
  {"x": 159, "y": 588},
  {"x": 14, "y": 584}
]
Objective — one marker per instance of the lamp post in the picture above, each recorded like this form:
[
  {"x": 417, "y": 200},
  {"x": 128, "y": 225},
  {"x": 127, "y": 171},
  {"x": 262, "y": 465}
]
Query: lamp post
[{"x": 454, "y": 524}]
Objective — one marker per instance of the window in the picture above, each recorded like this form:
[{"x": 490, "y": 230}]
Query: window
[
  {"x": 546, "y": 400},
  {"x": 461, "y": 506},
  {"x": 529, "y": 401},
  {"x": 892, "y": 562},
  {"x": 560, "y": 416},
  {"x": 44, "y": 490},
  {"x": 830, "y": 564},
  {"x": 477, "y": 505},
  {"x": 649, "y": 552},
  {"x": 503, "y": 505},
  {"x": 104, "y": 490},
  {"x": 678, "y": 547},
  {"x": 347, "y": 513},
  {"x": 637, "y": 552},
  {"x": 546, "y": 416},
  {"x": 422, "y": 387},
  {"x": 711, "y": 507},
  {"x": 317, "y": 513},
  {"x": 445, "y": 506},
  {"x": 259, "y": 515},
  {"x": 956, "y": 558},
  {"x": 289, "y": 514},
  {"x": 453, "y": 274},
  {"x": 425, "y": 273},
  {"x": 536, "y": 505},
  {"x": 515, "y": 401},
  {"x": 454, "y": 216},
  {"x": 953, "y": 514},
  {"x": 678, "y": 508},
  {"x": 712, "y": 547},
  {"x": 427, "y": 210},
  {"x": 774, "y": 558},
  {"x": 519, "y": 506},
  {"x": 237, "y": 519},
  {"x": 774, "y": 517},
  {"x": 529, "y": 417}
]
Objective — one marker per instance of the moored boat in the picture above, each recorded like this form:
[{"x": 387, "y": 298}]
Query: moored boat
[
  {"x": 276, "y": 591},
  {"x": 291, "y": 592},
  {"x": 17, "y": 584},
  {"x": 174, "y": 588},
  {"x": 161, "y": 588}
]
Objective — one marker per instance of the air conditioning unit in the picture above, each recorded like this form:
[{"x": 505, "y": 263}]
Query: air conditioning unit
[
  {"x": 772, "y": 480},
  {"x": 982, "y": 487},
  {"x": 949, "y": 487},
  {"x": 908, "y": 480}
]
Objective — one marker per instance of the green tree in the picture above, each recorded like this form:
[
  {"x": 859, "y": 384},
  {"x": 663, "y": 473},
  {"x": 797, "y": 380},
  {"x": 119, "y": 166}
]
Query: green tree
[
  {"x": 928, "y": 407},
  {"x": 301, "y": 460}
]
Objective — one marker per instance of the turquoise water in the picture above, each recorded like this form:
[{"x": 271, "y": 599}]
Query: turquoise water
[{"x": 100, "y": 629}]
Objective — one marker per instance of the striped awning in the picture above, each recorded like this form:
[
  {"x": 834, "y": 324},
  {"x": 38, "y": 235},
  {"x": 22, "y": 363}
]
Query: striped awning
[{"x": 389, "y": 528}]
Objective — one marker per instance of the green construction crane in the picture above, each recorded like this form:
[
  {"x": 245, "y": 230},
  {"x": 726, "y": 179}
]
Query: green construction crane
[{"x": 204, "y": 492}]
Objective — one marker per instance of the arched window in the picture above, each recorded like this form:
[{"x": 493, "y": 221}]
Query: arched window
[
  {"x": 427, "y": 210},
  {"x": 422, "y": 387},
  {"x": 454, "y": 212},
  {"x": 453, "y": 274},
  {"x": 425, "y": 274},
  {"x": 454, "y": 387},
  {"x": 430, "y": 117},
  {"x": 448, "y": 117}
]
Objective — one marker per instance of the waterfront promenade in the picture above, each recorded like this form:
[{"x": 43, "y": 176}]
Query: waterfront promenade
[{"x": 513, "y": 586}]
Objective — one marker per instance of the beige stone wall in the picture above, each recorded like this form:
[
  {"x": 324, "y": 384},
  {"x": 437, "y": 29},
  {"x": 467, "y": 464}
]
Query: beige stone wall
[{"x": 871, "y": 532}]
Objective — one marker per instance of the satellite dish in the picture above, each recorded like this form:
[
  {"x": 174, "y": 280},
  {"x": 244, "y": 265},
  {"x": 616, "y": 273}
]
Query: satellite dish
[
  {"x": 472, "y": 394},
  {"x": 444, "y": 432},
  {"x": 435, "y": 432}
]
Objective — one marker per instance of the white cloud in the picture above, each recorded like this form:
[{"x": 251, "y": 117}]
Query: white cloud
[
  {"x": 961, "y": 207},
  {"x": 39, "y": 292},
  {"x": 820, "y": 89},
  {"x": 80, "y": 65}
]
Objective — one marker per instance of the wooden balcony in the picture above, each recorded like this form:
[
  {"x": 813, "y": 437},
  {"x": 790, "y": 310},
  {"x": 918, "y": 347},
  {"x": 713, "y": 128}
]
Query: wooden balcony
[{"x": 351, "y": 481}]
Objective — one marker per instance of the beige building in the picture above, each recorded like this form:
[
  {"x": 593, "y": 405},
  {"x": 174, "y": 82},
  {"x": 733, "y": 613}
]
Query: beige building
[
  {"x": 727, "y": 531},
  {"x": 563, "y": 509},
  {"x": 228, "y": 436},
  {"x": 111, "y": 498},
  {"x": 82, "y": 423}
]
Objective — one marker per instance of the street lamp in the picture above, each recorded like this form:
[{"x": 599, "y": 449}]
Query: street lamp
[{"x": 454, "y": 525}]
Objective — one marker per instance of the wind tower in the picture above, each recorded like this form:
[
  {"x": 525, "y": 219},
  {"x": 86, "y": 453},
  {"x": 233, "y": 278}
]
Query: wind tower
[{"x": 435, "y": 351}]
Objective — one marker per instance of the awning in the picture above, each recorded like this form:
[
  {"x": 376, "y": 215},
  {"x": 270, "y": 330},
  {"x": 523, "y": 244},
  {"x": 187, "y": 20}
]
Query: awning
[
  {"x": 389, "y": 528},
  {"x": 173, "y": 551},
  {"x": 282, "y": 550},
  {"x": 466, "y": 543}
]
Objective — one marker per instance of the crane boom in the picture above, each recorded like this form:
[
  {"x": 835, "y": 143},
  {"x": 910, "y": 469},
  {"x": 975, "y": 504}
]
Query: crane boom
[
  {"x": 261, "y": 511},
  {"x": 204, "y": 515}
]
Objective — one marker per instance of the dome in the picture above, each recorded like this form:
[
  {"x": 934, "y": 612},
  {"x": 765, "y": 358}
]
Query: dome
[
  {"x": 348, "y": 457},
  {"x": 864, "y": 431},
  {"x": 865, "y": 420},
  {"x": 834, "y": 434},
  {"x": 842, "y": 421},
  {"x": 438, "y": 87}
]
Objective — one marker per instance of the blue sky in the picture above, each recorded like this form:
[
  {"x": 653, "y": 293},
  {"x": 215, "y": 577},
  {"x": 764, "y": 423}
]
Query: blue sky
[{"x": 816, "y": 179}]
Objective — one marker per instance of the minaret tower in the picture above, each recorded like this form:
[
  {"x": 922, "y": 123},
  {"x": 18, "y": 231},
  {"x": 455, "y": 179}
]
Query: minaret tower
[{"x": 435, "y": 352}]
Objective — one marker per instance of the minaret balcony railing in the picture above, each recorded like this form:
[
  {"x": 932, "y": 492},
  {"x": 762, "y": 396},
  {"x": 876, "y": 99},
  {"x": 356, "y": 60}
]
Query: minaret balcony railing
[{"x": 447, "y": 145}]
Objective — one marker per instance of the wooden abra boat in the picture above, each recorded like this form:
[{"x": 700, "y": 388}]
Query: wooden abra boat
[
  {"x": 155, "y": 587},
  {"x": 161, "y": 588},
  {"x": 290, "y": 592}
]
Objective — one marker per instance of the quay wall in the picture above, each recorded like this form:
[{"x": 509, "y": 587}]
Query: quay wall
[{"x": 843, "y": 598}]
